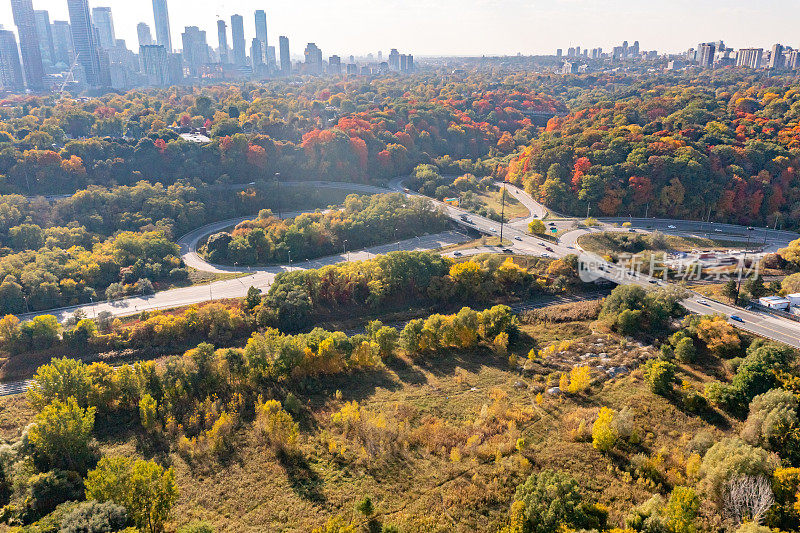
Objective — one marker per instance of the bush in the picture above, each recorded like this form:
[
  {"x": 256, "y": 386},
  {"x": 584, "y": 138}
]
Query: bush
[
  {"x": 604, "y": 434},
  {"x": 730, "y": 458},
  {"x": 197, "y": 527},
  {"x": 685, "y": 350},
  {"x": 660, "y": 375},
  {"x": 772, "y": 423},
  {"x": 276, "y": 425},
  {"x": 46, "y": 491},
  {"x": 95, "y": 517},
  {"x": 549, "y": 501}
]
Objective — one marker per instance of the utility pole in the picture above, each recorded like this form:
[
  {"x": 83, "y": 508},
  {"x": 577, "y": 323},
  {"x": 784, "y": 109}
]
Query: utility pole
[
  {"x": 502, "y": 213},
  {"x": 278, "y": 194},
  {"x": 744, "y": 261}
]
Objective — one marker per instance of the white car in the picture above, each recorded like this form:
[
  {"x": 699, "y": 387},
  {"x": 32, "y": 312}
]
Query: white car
[
  {"x": 702, "y": 302},
  {"x": 671, "y": 227},
  {"x": 718, "y": 230},
  {"x": 517, "y": 238}
]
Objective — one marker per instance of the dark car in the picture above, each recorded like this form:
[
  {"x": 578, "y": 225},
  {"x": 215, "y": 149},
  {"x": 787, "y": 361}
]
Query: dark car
[
  {"x": 548, "y": 249},
  {"x": 508, "y": 251},
  {"x": 737, "y": 318}
]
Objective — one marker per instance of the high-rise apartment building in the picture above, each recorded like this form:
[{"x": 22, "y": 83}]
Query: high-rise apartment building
[
  {"x": 153, "y": 60},
  {"x": 10, "y": 68},
  {"x": 45, "y": 35},
  {"x": 749, "y": 57},
  {"x": 394, "y": 60},
  {"x": 143, "y": 32},
  {"x": 222, "y": 37},
  {"x": 256, "y": 53},
  {"x": 83, "y": 41},
  {"x": 195, "y": 49},
  {"x": 161, "y": 17},
  {"x": 776, "y": 57},
  {"x": 313, "y": 54},
  {"x": 104, "y": 22},
  {"x": 286, "y": 62},
  {"x": 261, "y": 29},
  {"x": 237, "y": 40},
  {"x": 62, "y": 42},
  {"x": 705, "y": 54},
  {"x": 334, "y": 65},
  {"x": 270, "y": 58},
  {"x": 25, "y": 21}
]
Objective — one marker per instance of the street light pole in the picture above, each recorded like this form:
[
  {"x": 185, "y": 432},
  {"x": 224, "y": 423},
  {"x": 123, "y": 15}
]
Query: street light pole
[
  {"x": 744, "y": 261},
  {"x": 278, "y": 194},
  {"x": 502, "y": 213},
  {"x": 344, "y": 250}
]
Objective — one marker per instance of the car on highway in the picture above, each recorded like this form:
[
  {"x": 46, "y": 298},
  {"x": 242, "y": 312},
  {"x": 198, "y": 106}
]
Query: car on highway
[
  {"x": 508, "y": 251},
  {"x": 541, "y": 244},
  {"x": 718, "y": 230},
  {"x": 702, "y": 302},
  {"x": 517, "y": 238},
  {"x": 493, "y": 230},
  {"x": 671, "y": 226},
  {"x": 737, "y": 318},
  {"x": 545, "y": 255},
  {"x": 548, "y": 249},
  {"x": 457, "y": 254},
  {"x": 631, "y": 230},
  {"x": 653, "y": 281}
]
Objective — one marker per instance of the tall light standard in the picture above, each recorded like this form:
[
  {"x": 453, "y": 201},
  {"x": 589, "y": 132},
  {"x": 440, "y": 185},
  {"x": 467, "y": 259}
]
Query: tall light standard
[
  {"x": 278, "y": 194},
  {"x": 290, "y": 260},
  {"x": 502, "y": 212},
  {"x": 344, "y": 250},
  {"x": 744, "y": 262}
]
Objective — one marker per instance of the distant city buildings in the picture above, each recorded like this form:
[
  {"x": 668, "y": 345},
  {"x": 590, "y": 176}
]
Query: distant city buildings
[
  {"x": 161, "y": 18},
  {"x": 11, "y": 78},
  {"x": 143, "y": 32},
  {"x": 25, "y": 20}
]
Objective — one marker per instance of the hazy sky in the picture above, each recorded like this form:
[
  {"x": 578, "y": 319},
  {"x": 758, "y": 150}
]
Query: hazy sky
[{"x": 470, "y": 27}]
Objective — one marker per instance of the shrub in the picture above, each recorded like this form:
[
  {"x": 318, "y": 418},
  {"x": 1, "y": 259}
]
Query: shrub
[
  {"x": 46, "y": 491},
  {"x": 276, "y": 425},
  {"x": 660, "y": 375},
  {"x": 681, "y": 510},
  {"x": 579, "y": 379},
  {"x": 772, "y": 423},
  {"x": 95, "y": 517},
  {"x": 604, "y": 434},
  {"x": 730, "y": 458},
  {"x": 685, "y": 351},
  {"x": 549, "y": 501},
  {"x": 197, "y": 527},
  {"x": 148, "y": 412}
]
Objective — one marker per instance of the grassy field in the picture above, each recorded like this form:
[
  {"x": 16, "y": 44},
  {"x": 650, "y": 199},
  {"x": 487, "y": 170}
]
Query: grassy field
[
  {"x": 437, "y": 446},
  {"x": 619, "y": 242},
  {"x": 493, "y": 200}
]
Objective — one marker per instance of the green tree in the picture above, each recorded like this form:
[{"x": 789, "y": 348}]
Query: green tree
[
  {"x": 60, "y": 379},
  {"x": 681, "y": 510},
  {"x": 729, "y": 290},
  {"x": 61, "y": 434},
  {"x": 551, "y": 500},
  {"x": 536, "y": 227},
  {"x": 660, "y": 375},
  {"x": 144, "y": 488},
  {"x": 685, "y": 350},
  {"x": 148, "y": 412}
]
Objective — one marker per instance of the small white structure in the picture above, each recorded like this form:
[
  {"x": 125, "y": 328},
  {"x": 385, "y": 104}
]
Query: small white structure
[
  {"x": 794, "y": 299},
  {"x": 774, "y": 302}
]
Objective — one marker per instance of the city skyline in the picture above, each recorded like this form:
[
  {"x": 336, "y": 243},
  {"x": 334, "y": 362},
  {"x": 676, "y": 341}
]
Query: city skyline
[{"x": 487, "y": 27}]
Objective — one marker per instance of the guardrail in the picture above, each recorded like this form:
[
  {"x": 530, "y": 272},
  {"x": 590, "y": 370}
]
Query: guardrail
[{"x": 777, "y": 312}]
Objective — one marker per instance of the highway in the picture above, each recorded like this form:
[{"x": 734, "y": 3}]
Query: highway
[{"x": 521, "y": 242}]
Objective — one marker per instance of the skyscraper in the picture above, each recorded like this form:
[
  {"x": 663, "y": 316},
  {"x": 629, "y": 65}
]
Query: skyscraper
[
  {"x": 145, "y": 37},
  {"x": 153, "y": 59},
  {"x": 261, "y": 29},
  {"x": 195, "y": 49},
  {"x": 10, "y": 67},
  {"x": 62, "y": 42},
  {"x": 222, "y": 34},
  {"x": 776, "y": 57},
  {"x": 237, "y": 39},
  {"x": 313, "y": 56},
  {"x": 334, "y": 65},
  {"x": 394, "y": 59},
  {"x": 83, "y": 40},
  {"x": 28, "y": 43},
  {"x": 286, "y": 63},
  {"x": 104, "y": 22},
  {"x": 706, "y": 53},
  {"x": 161, "y": 17},
  {"x": 45, "y": 35},
  {"x": 256, "y": 53}
]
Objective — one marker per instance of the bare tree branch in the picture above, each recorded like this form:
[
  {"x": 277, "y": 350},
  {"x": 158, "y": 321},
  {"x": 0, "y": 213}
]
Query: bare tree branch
[{"x": 748, "y": 498}]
